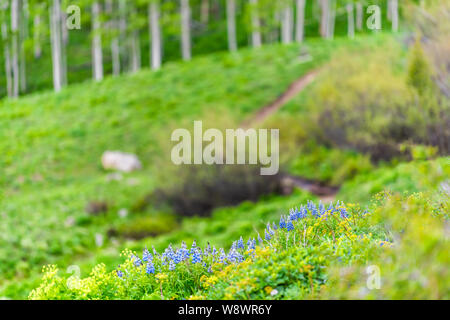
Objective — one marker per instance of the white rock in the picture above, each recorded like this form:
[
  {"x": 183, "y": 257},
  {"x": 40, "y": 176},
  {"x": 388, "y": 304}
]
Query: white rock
[
  {"x": 116, "y": 160},
  {"x": 70, "y": 221},
  {"x": 123, "y": 213},
  {"x": 99, "y": 240}
]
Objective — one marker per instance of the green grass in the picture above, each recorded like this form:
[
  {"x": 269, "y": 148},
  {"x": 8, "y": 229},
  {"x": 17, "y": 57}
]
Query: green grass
[
  {"x": 313, "y": 257},
  {"x": 409, "y": 177},
  {"x": 51, "y": 144}
]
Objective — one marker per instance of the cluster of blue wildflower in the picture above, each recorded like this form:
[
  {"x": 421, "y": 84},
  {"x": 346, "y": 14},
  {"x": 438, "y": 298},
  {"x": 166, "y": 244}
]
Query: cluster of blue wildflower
[{"x": 239, "y": 251}]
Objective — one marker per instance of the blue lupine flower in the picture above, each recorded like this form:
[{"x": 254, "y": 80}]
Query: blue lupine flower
[
  {"x": 196, "y": 256},
  {"x": 210, "y": 269},
  {"x": 312, "y": 207},
  {"x": 259, "y": 239},
  {"x": 184, "y": 252},
  {"x": 290, "y": 226},
  {"x": 214, "y": 252},
  {"x": 331, "y": 208},
  {"x": 178, "y": 257},
  {"x": 169, "y": 252},
  {"x": 137, "y": 262},
  {"x": 171, "y": 265},
  {"x": 303, "y": 213},
  {"x": 269, "y": 230},
  {"x": 282, "y": 223},
  {"x": 321, "y": 208},
  {"x": 293, "y": 214},
  {"x": 150, "y": 268},
  {"x": 344, "y": 213},
  {"x": 208, "y": 249},
  {"x": 147, "y": 256},
  {"x": 222, "y": 256},
  {"x": 119, "y": 273},
  {"x": 274, "y": 226},
  {"x": 155, "y": 253},
  {"x": 240, "y": 243},
  {"x": 235, "y": 256},
  {"x": 251, "y": 244},
  {"x": 267, "y": 235},
  {"x": 194, "y": 247}
]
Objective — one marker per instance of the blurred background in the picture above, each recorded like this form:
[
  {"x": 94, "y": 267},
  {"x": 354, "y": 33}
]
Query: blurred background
[{"x": 360, "y": 91}]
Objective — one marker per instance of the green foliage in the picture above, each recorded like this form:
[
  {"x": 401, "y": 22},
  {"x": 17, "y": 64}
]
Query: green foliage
[
  {"x": 292, "y": 261},
  {"x": 54, "y": 142},
  {"x": 416, "y": 267},
  {"x": 419, "y": 73},
  {"x": 331, "y": 166},
  {"x": 146, "y": 226},
  {"x": 405, "y": 177},
  {"x": 317, "y": 257},
  {"x": 361, "y": 104}
]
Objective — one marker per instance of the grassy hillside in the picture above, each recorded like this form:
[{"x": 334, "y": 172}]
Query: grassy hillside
[{"x": 54, "y": 142}]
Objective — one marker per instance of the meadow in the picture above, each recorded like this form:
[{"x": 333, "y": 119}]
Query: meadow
[{"x": 372, "y": 126}]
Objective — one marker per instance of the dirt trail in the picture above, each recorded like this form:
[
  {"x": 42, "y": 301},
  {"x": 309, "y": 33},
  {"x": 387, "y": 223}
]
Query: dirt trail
[
  {"x": 294, "y": 89},
  {"x": 325, "y": 193}
]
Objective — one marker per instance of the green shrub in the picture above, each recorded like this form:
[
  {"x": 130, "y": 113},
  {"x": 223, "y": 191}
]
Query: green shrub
[
  {"x": 419, "y": 71},
  {"x": 405, "y": 177},
  {"x": 204, "y": 188},
  {"x": 332, "y": 166},
  {"x": 146, "y": 226},
  {"x": 417, "y": 266},
  {"x": 292, "y": 260},
  {"x": 363, "y": 103}
]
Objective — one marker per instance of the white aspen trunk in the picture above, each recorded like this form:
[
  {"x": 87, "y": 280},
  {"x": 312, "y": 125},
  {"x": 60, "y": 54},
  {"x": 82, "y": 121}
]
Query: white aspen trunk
[
  {"x": 155, "y": 32},
  {"x": 123, "y": 27},
  {"x": 55, "y": 16},
  {"x": 135, "y": 52},
  {"x": 185, "y": 30},
  {"x": 37, "y": 36},
  {"x": 394, "y": 15},
  {"x": 286, "y": 25},
  {"x": 97, "y": 56},
  {"x": 135, "y": 46},
  {"x": 331, "y": 19},
  {"x": 359, "y": 16},
  {"x": 7, "y": 53},
  {"x": 300, "y": 26},
  {"x": 64, "y": 43},
  {"x": 204, "y": 12},
  {"x": 350, "y": 21},
  {"x": 324, "y": 18},
  {"x": 256, "y": 25},
  {"x": 389, "y": 10},
  {"x": 23, "y": 35},
  {"x": 231, "y": 25},
  {"x": 115, "y": 49},
  {"x": 115, "y": 56},
  {"x": 15, "y": 47}
]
